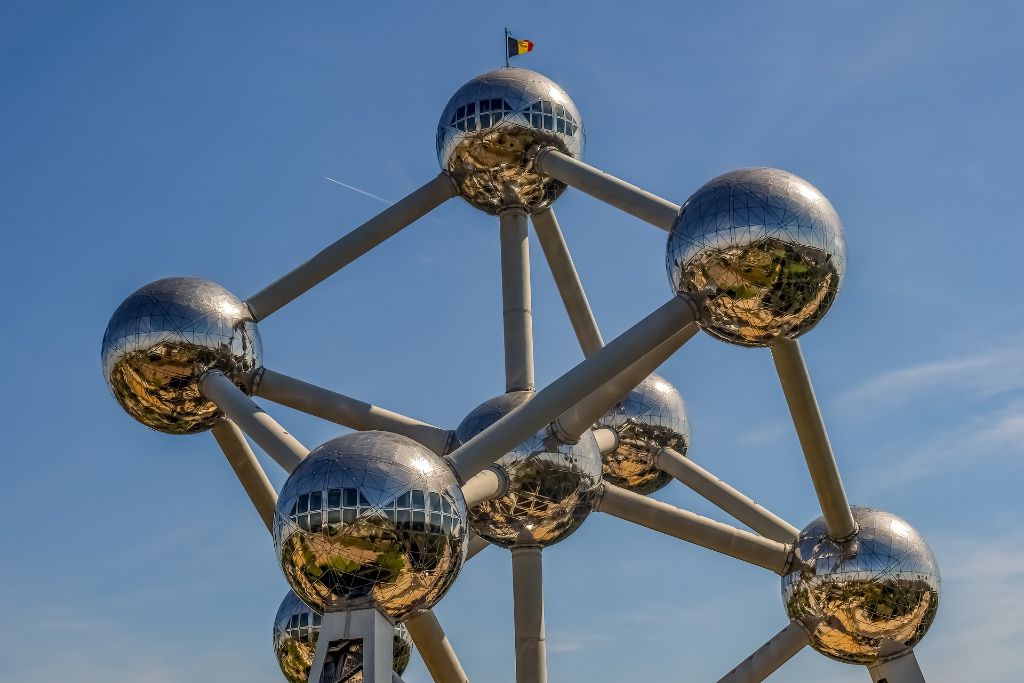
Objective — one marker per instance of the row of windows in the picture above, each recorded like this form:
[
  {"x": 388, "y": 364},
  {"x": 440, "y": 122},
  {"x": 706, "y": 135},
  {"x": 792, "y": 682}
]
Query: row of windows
[
  {"x": 353, "y": 498},
  {"x": 487, "y": 113},
  {"x": 418, "y": 510},
  {"x": 298, "y": 627}
]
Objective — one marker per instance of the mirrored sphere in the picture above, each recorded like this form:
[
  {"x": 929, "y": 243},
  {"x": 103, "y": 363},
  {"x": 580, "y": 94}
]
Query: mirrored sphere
[
  {"x": 649, "y": 418},
  {"x": 488, "y": 127},
  {"x": 772, "y": 246},
  {"x": 161, "y": 340},
  {"x": 296, "y": 629},
  {"x": 371, "y": 519},
  {"x": 883, "y": 584},
  {"x": 551, "y": 484}
]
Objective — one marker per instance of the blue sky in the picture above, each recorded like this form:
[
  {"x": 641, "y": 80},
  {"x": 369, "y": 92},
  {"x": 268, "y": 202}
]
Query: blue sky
[{"x": 143, "y": 140}]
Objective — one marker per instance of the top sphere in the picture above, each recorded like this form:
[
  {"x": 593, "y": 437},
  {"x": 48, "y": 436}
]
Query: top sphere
[
  {"x": 488, "y": 127},
  {"x": 770, "y": 243},
  {"x": 853, "y": 596},
  {"x": 371, "y": 519},
  {"x": 164, "y": 337}
]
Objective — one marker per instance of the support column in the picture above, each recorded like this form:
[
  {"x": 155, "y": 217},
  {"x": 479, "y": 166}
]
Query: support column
[
  {"x": 897, "y": 664},
  {"x": 810, "y": 428},
  {"x": 434, "y": 648},
  {"x": 528, "y": 594},
  {"x": 247, "y": 468},
  {"x": 769, "y": 657},
  {"x": 515, "y": 294},
  {"x": 368, "y": 625}
]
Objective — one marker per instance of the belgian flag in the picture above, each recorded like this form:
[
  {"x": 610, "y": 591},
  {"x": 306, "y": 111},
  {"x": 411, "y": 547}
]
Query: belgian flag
[{"x": 517, "y": 47}]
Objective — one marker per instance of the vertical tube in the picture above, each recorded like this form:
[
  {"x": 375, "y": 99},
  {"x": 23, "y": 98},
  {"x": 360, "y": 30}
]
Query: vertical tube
[
  {"x": 515, "y": 294},
  {"x": 724, "y": 496},
  {"x": 810, "y": 428},
  {"x": 264, "y": 430},
  {"x": 528, "y": 594},
  {"x": 434, "y": 648},
  {"x": 247, "y": 468},
  {"x": 897, "y": 664},
  {"x": 769, "y": 657},
  {"x": 367, "y": 625},
  {"x": 574, "y": 298}
]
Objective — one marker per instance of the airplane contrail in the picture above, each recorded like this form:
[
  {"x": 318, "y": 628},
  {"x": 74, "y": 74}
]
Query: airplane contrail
[{"x": 362, "y": 192}]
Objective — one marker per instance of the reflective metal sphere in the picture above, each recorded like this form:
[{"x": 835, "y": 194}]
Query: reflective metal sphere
[
  {"x": 551, "y": 484},
  {"x": 649, "y": 418},
  {"x": 371, "y": 519},
  {"x": 296, "y": 629},
  {"x": 488, "y": 127},
  {"x": 883, "y": 584},
  {"x": 770, "y": 243},
  {"x": 161, "y": 340}
]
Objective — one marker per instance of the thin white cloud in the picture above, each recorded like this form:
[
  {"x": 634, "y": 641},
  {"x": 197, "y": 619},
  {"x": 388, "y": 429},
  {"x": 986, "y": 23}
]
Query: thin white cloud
[{"x": 362, "y": 192}]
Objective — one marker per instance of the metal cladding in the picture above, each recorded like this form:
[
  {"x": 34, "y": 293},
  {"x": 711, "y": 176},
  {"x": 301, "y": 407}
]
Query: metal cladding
[
  {"x": 771, "y": 245},
  {"x": 164, "y": 337},
  {"x": 651, "y": 417},
  {"x": 488, "y": 127},
  {"x": 371, "y": 519},
  {"x": 551, "y": 484},
  {"x": 296, "y": 629},
  {"x": 853, "y": 596}
]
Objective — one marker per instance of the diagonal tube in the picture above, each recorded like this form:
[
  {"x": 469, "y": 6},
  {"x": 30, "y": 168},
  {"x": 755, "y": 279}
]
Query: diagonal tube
[
  {"x": 574, "y": 298},
  {"x": 263, "y": 429},
  {"x": 528, "y": 614},
  {"x": 766, "y": 659},
  {"x": 517, "y": 313},
  {"x": 434, "y": 648},
  {"x": 247, "y": 468},
  {"x": 724, "y": 496},
  {"x": 607, "y": 188},
  {"x": 489, "y": 484},
  {"x": 486, "y": 447},
  {"x": 353, "y": 245},
  {"x": 810, "y": 428},
  {"x": 693, "y": 528},
  {"x": 571, "y": 424},
  {"x": 344, "y": 410}
]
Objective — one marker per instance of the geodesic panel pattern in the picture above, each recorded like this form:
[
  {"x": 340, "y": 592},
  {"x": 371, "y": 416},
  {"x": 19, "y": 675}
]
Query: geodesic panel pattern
[
  {"x": 551, "y": 484},
  {"x": 296, "y": 630},
  {"x": 164, "y": 337},
  {"x": 883, "y": 584},
  {"x": 770, "y": 244},
  {"x": 651, "y": 417},
  {"x": 488, "y": 127},
  {"x": 371, "y": 519}
]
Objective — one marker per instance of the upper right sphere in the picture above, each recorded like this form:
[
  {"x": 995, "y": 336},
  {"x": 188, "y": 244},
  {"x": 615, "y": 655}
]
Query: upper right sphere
[{"x": 772, "y": 246}]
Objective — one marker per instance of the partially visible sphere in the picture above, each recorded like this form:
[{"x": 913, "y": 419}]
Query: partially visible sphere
[
  {"x": 164, "y": 337},
  {"x": 771, "y": 245},
  {"x": 371, "y": 519},
  {"x": 552, "y": 485},
  {"x": 488, "y": 127},
  {"x": 882, "y": 585},
  {"x": 296, "y": 629},
  {"x": 651, "y": 417}
]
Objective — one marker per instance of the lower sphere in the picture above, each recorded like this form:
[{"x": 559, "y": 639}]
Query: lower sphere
[
  {"x": 853, "y": 596},
  {"x": 551, "y": 484},
  {"x": 296, "y": 630}
]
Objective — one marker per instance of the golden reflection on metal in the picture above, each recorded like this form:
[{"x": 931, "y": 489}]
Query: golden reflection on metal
[
  {"x": 488, "y": 127},
  {"x": 852, "y": 597},
  {"x": 651, "y": 417},
  {"x": 296, "y": 629},
  {"x": 770, "y": 244},
  {"x": 161, "y": 341},
  {"x": 551, "y": 484},
  {"x": 363, "y": 522}
]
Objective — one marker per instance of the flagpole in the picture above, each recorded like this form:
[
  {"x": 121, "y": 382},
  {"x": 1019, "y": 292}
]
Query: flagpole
[{"x": 506, "y": 47}]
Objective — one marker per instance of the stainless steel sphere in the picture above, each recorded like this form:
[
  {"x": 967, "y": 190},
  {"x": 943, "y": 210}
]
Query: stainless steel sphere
[
  {"x": 296, "y": 629},
  {"x": 882, "y": 585},
  {"x": 770, "y": 243},
  {"x": 488, "y": 127},
  {"x": 551, "y": 484},
  {"x": 371, "y": 519},
  {"x": 164, "y": 337},
  {"x": 651, "y": 417}
]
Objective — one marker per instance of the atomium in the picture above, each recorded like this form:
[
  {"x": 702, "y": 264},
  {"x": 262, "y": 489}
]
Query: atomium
[
  {"x": 296, "y": 629},
  {"x": 769, "y": 243},
  {"x": 551, "y": 484},
  {"x": 371, "y": 519},
  {"x": 372, "y": 528}
]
